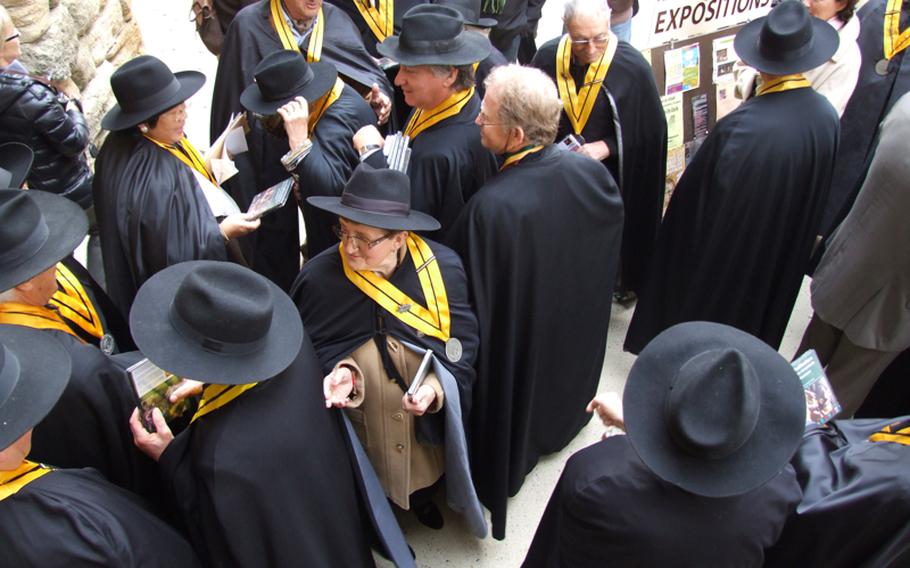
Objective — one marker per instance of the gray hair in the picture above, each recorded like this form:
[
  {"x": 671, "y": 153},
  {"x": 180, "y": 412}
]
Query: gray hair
[
  {"x": 463, "y": 80},
  {"x": 586, "y": 8},
  {"x": 5, "y": 21},
  {"x": 528, "y": 99}
]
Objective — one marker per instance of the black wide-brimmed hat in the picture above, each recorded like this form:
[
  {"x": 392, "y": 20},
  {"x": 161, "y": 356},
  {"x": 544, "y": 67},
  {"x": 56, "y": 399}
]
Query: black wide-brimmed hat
[
  {"x": 283, "y": 75},
  {"x": 434, "y": 35},
  {"x": 145, "y": 87},
  {"x": 470, "y": 11},
  {"x": 15, "y": 163},
  {"x": 378, "y": 197},
  {"x": 34, "y": 370},
  {"x": 712, "y": 409},
  {"x": 37, "y": 229},
  {"x": 787, "y": 40},
  {"x": 216, "y": 322}
]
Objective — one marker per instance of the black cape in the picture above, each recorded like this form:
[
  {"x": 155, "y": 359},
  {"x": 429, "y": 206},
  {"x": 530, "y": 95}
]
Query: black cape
[
  {"x": 855, "y": 509},
  {"x": 543, "y": 308},
  {"x": 267, "y": 480},
  {"x": 638, "y": 136},
  {"x": 448, "y": 165},
  {"x": 74, "y": 518},
  {"x": 369, "y": 39},
  {"x": 151, "y": 214},
  {"x": 251, "y": 37},
  {"x": 872, "y": 99},
  {"x": 485, "y": 67},
  {"x": 608, "y": 509},
  {"x": 737, "y": 234}
]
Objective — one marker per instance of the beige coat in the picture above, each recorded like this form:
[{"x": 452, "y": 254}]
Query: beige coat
[{"x": 402, "y": 464}]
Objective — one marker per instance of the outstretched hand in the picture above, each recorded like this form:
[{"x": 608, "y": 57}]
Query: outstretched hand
[
  {"x": 609, "y": 409},
  {"x": 380, "y": 103},
  {"x": 337, "y": 387}
]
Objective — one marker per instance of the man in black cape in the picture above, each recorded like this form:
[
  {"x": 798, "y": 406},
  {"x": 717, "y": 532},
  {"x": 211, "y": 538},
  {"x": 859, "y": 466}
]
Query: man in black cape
[
  {"x": 60, "y": 517},
  {"x": 737, "y": 235},
  {"x": 262, "y": 473},
  {"x": 542, "y": 304},
  {"x": 701, "y": 478},
  {"x": 448, "y": 164},
  {"x": 883, "y": 79},
  {"x": 315, "y": 115},
  {"x": 610, "y": 99}
]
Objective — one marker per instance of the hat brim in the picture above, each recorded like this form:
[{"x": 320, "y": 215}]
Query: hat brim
[
  {"x": 164, "y": 346},
  {"x": 67, "y": 226},
  {"x": 17, "y": 160},
  {"x": 824, "y": 45},
  {"x": 413, "y": 221},
  {"x": 482, "y": 22},
  {"x": 324, "y": 76},
  {"x": 45, "y": 369},
  {"x": 777, "y": 433},
  {"x": 474, "y": 48},
  {"x": 117, "y": 119}
]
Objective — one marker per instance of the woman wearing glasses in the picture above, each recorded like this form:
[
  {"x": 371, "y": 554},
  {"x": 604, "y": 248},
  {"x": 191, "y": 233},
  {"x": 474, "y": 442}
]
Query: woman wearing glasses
[
  {"x": 157, "y": 203},
  {"x": 373, "y": 306}
]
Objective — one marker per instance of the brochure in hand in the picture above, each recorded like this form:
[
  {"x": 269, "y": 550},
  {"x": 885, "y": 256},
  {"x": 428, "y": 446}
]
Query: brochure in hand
[
  {"x": 272, "y": 198},
  {"x": 821, "y": 403},
  {"x": 152, "y": 386}
]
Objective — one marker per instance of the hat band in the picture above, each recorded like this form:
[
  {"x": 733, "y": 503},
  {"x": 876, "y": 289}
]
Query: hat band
[
  {"x": 153, "y": 100},
  {"x": 9, "y": 375},
  {"x": 378, "y": 206},
  {"x": 27, "y": 248},
  {"x": 209, "y": 344},
  {"x": 432, "y": 46}
]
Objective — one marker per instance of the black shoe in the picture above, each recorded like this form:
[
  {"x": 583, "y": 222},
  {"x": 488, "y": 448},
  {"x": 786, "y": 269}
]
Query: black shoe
[{"x": 429, "y": 515}]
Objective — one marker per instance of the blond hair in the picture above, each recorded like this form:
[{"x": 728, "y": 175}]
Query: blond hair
[{"x": 528, "y": 99}]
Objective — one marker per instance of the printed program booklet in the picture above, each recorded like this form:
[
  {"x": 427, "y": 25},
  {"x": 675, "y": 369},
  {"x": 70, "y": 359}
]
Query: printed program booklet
[
  {"x": 152, "y": 386},
  {"x": 821, "y": 403},
  {"x": 271, "y": 199}
]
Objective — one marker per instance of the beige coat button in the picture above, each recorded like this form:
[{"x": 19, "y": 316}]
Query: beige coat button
[
  {"x": 398, "y": 416},
  {"x": 399, "y": 447}
]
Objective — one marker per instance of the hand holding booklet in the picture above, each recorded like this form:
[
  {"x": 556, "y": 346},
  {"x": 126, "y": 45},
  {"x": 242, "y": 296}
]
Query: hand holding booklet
[{"x": 153, "y": 387}]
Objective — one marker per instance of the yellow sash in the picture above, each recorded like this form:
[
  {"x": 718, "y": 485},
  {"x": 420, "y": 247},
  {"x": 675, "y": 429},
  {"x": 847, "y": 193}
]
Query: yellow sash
[
  {"x": 280, "y": 24},
  {"x": 784, "y": 83},
  {"x": 73, "y": 303},
  {"x": 517, "y": 156},
  {"x": 896, "y": 432},
  {"x": 422, "y": 119},
  {"x": 323, "y": 103},
  {"x": 578, "y": 103},
  {"x": 189, "y": 155},
  {"x": 380, "y": 18},
  {"x": 35, "y": 317},
  {"x": 433, "y": 320},
  {"x": 216, "y": 396},
  {"x": 12, "y": 481},
  {"x": 895, "y": 41}
]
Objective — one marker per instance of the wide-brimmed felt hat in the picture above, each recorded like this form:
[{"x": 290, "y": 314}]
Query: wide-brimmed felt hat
[
  {"x": 145, "y": 87},
  {"x": 712, "y": 409},
  {"x": 434, "y": 35},
  {"x": 283, "y": 75},
  {"x": 34, "y": 370},
  {"x": 15, "y": 163},
  {"x": 470, "y": 11},
  {"x": 37, "y": 229},
  {"x": 216, "y": 322},
  {"x": 787, "y": 40},
  {"x": 378, "y": 197}
]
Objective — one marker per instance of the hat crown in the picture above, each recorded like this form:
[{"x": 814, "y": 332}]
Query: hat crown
[
  {"x": 713, "y": 403},
  {"x": 431, "y": 29},
  {"x": 470, "y": 9},
  {"x": 786, "y": 31},
  {"x": 23, "y": 229},
  {"x": 142, "y": 81},
  {"x": 283, "y": 74},
  {"x": 9, "y": 373},
  {"x": 381, "y": 191}
]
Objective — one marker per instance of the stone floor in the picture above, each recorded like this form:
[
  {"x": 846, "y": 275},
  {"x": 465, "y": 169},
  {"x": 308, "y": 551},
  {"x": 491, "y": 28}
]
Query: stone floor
[{"x": 170, "y": 36}]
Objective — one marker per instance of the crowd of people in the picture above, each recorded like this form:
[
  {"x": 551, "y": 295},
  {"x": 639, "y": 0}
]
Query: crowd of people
[{"x": 469, "y": 223}]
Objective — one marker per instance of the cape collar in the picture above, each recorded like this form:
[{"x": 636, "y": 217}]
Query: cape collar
[
  {"x": 286, "y": 35},
  {"x": 579, "y": 102},
  {"x": 423, "y": 119},
  {"x": 12, "y": 481},
  {"x": 216, "y": 396}
]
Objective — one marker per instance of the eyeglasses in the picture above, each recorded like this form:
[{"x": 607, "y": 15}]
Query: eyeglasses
[
  {"x": 482, "y": 121},
  {"x": 358, "y": 240},
  {"x": 598, "y": 41},
  {"x": 12, "y": 37}
]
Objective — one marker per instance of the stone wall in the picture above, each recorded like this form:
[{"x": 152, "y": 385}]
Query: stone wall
[{"x": 78, "y": 44}]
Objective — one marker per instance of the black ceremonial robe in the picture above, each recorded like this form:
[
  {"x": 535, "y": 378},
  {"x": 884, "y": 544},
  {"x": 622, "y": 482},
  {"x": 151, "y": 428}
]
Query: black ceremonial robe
[
  {"x": 485, "y": 67},
  {"x": 72, "y": 517},
  {"x": 266, "y": 480},
  {"x": 540, "y": 243},
  {"x": 737, "y": 235},
  {"x": 151, "y": 213},
  {"x": 369, "y": 38},
  {"x": 251, "y": 37},
  {"x": 608, "y": 509},
  {"x": 448, "y": 165},
  {"x": 637, "y": 139},
  {"x": 872, "y": 98}
]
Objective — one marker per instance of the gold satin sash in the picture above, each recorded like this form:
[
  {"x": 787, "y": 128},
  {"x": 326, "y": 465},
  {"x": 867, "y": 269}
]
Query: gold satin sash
[
  {"x": 280, "y": 24},
  {"x": 517, "y": 156},
  {"x": 784, "y": 83},
  {"x": 188, "y": 154},
  {"x": 323, "y": 103},
  {"x": 12, "y": 481},
  {"x": 579, "y": 103},
  {"x": 894, "y": 41},
  {"x": 380, "y": 18},
  {"x": 895, "y": 432},
  {"x": 35, "y": 317},
  {"x": 73, "y": 304},
  {"x": 216, "y": 396},
  {"x": 422, "y": 119},
  {"x": 434, "y": 319}
]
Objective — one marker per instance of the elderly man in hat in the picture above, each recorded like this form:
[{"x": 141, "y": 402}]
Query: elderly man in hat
[
  {"x": 262, "y": 473},
  {"x": 54, "y": 517},
  {"x": 712, "y": 417},
  {"x": 310, "y": 116},
  {"x": 739, "y": 229},
  {"x": 375, "y": 306},
  {"x": 610, "y": 102},
  {"x": 520, "y": 225},
  {"x": 448, "y": 164},
  {"x": 86, "y": 426}
]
